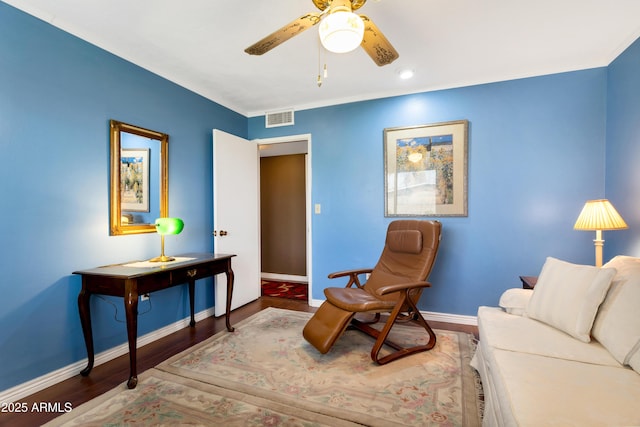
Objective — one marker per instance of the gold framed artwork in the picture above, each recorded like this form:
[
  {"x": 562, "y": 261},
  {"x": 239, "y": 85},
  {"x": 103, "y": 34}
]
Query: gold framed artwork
[
  {"x": 425, "y": 170},
  {"x": 139, "y": 183},
  {"x": 134, "y": 179}
]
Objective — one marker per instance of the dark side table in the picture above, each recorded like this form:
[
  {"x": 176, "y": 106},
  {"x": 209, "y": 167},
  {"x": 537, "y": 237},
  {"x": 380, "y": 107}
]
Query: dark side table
[
  {"x": 129, "y": 280},
  {"x": 529, "y": 282}
]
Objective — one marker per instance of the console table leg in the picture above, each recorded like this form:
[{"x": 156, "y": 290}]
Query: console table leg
[
  {"x": 110, "y": 280},
  {"x": 192, "y": 289},
  {"x": 85, "y": 320},
  {"x": 229, "y": 274},
  {"x": 131, "y": 311}
]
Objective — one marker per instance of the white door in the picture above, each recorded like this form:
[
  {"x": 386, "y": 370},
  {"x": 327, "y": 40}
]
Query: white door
[{"x": 236, "y": 216}]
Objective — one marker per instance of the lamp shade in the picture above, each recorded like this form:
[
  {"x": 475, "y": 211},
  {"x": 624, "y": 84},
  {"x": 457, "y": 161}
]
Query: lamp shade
[
  {"x": 341, "y": 31},
  {"x": 169, "y": 225},
  {"x": 599, "y": 215}
]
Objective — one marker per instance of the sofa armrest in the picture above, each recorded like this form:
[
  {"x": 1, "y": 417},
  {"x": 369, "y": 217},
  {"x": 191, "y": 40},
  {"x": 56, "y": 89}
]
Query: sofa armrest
[{"x": 515, "y": 301}]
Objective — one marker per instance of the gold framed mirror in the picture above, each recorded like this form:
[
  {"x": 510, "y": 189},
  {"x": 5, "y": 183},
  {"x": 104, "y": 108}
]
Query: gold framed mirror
[{"x": 139, "y": 182}]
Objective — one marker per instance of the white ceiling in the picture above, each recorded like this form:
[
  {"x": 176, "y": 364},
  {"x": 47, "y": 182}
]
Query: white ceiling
[{"x": 199, "y": 44}]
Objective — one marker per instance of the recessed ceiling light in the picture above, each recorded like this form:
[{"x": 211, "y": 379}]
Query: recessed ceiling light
[{"x": 406, "y": 73}]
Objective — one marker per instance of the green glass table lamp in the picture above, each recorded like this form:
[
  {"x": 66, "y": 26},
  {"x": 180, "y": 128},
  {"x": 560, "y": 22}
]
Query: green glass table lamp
[{"x": 166, "y": 226}]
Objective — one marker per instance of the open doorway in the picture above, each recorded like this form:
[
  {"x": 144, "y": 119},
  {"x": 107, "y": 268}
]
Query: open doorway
[{"x": 284, "y": 217}]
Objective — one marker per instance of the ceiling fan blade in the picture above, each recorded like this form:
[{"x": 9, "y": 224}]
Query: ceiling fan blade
[
  {"x": 376, "y": 44},
  {"x": 293, "y": 28},
  {"x": 325, "y": 4}
]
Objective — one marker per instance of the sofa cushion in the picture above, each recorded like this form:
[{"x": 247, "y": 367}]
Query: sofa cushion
[
  {"x": 500, "y": 330},
  {"x": 567, "y": 296},
  {"x": 634, "y": 360},
  {"x": 515, "y": 300},
  {"x": 534, "y": 390},
  {"x": 617, "y": 325}
]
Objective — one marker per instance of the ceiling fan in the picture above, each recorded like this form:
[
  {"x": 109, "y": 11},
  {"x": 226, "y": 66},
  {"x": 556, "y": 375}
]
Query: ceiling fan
[{"x": 340, "y": 30}]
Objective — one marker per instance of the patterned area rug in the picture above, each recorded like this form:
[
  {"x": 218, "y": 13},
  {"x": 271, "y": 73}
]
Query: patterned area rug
[
  {"x": 163, "y": 399},
  {"x": 289, "y": 290},
  {"x": 265, "y": 373}
]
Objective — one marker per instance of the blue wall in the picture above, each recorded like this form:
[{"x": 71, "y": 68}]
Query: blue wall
[
  {"x": 536, "y": 153},
  {"x": 623, "y": 150},
  {"x": 57, "y": 94}
]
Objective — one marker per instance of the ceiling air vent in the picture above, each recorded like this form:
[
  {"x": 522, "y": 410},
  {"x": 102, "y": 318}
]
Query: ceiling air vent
[{"x": 280, "y": 118}]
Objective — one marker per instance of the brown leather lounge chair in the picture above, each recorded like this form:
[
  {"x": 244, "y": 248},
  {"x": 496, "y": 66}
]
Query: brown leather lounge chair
[{"x": 394, "y": 287}]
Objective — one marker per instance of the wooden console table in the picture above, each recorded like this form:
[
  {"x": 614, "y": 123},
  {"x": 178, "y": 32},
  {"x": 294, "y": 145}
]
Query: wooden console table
[{"x": 129, "y": 281}]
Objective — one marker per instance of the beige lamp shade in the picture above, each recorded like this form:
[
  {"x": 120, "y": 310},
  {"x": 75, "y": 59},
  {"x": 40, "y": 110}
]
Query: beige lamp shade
[{"x": 599, "y": 215}]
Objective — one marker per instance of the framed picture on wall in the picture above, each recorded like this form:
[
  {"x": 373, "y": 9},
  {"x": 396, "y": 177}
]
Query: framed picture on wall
[
  {"x": 425, "y": 170},
  {"x": 134, "y": 180}
]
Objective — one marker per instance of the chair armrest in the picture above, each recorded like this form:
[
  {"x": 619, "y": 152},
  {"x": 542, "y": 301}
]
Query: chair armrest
[
  {"x": 383, "y": 290},
  {"x": 350, "y": 272},
  {"x": 353, "y": 276}
]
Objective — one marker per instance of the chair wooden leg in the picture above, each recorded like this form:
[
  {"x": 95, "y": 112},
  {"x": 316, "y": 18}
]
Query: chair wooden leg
[
  {"x": 372, "y": 332},
  {"x": 381, "y": 336}
]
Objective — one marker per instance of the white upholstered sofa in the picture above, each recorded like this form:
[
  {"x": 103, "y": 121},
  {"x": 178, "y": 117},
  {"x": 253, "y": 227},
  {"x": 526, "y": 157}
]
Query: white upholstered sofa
[{"x": 566, "y": 353}]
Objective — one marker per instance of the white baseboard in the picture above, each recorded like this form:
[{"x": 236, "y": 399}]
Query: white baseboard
[
  {"x": 460, "y": 319},
  {"x": 30, "y": 387},
  {"x": 315, "y": 302},
  {"x": 284, "y": 277}
]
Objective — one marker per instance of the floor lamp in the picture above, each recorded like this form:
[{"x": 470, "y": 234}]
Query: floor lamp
[{"x": 599, "y": 215}]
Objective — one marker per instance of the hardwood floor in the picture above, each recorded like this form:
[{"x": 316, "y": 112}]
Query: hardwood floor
[{"x": 103, "y": 378}]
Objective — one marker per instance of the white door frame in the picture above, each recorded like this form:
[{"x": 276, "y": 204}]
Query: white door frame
[{"x": 290, "y": 139}]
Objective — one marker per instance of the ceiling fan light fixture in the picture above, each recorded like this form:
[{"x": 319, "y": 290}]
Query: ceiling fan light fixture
[{"x": 341, "y": 31}]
